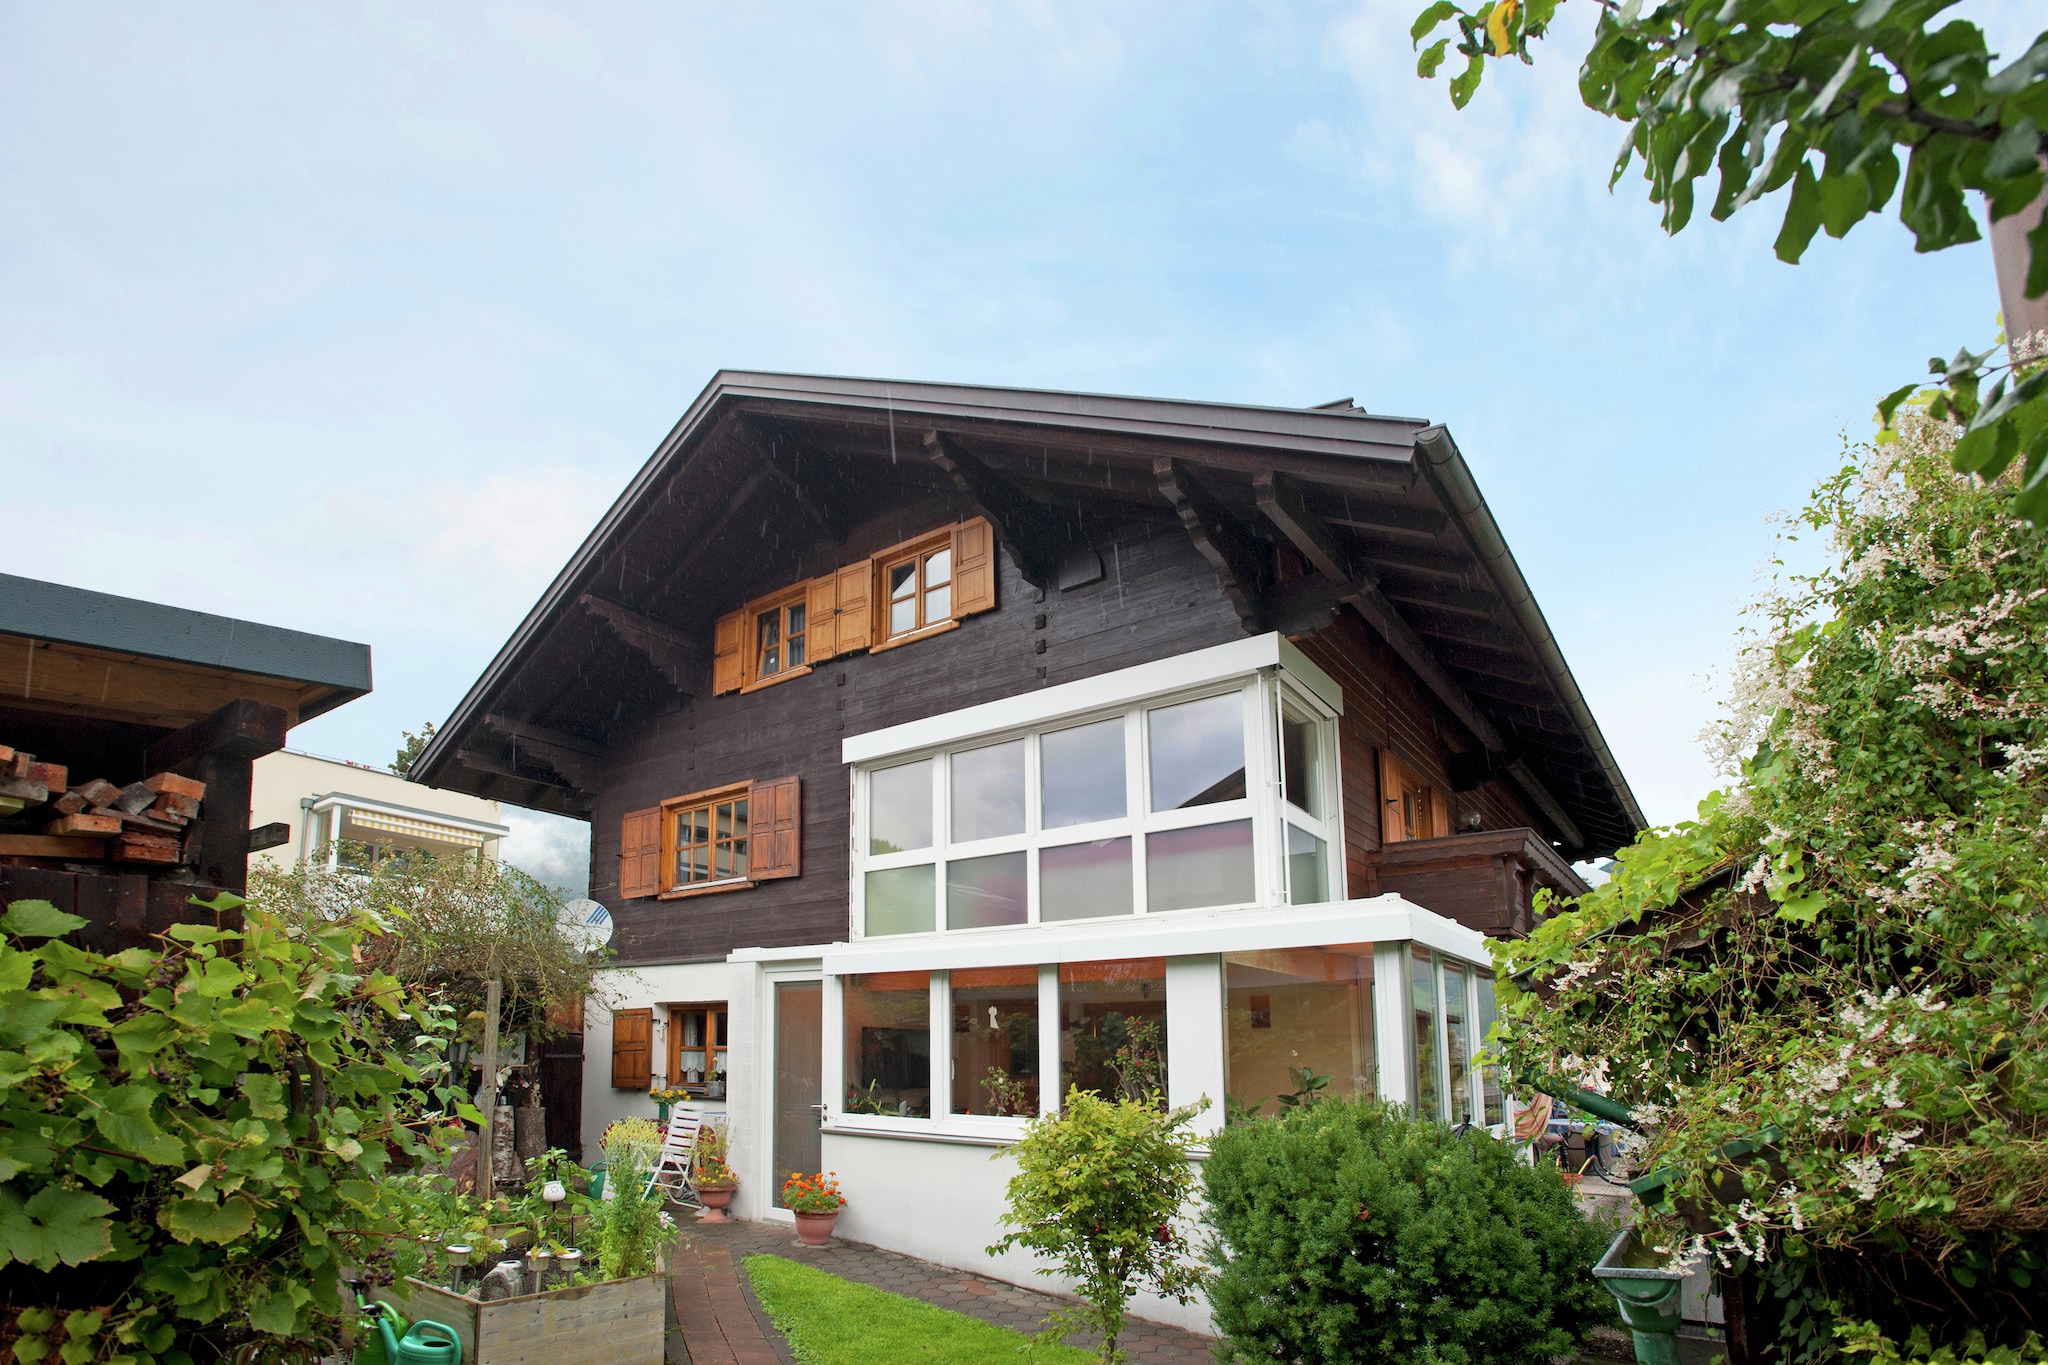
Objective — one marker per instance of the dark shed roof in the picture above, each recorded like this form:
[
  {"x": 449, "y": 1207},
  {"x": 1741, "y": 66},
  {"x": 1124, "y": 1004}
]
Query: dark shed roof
[{"x": 327, "y": 672}]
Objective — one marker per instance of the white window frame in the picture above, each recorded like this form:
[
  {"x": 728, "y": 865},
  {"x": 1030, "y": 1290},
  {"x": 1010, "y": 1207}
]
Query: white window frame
[{"x": 1261, "y": 692}]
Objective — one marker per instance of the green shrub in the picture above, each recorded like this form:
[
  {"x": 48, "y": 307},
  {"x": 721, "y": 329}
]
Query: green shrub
[
  {"x": 1350, "y": 1232},
  {"x": 1098, "y": 1192}
]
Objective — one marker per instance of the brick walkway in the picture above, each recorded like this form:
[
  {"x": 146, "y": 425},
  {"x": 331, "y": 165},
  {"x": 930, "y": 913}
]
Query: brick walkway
[{"x": 721, "y": 1322}]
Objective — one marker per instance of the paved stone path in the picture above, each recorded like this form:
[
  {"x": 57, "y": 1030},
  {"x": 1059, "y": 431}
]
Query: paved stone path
[{"x": 721, "y": 1323}]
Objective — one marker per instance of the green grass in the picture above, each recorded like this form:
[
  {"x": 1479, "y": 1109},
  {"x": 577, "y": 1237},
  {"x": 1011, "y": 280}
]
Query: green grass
[{"x": 830, "y": 1321}]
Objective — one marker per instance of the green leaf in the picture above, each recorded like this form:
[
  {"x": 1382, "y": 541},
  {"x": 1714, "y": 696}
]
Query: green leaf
[
  {"x": 38, "y": 919},
  {"x": 1432, "y": 57},
  {"x": 1844, "y": 199},
  {"x": 1466, "y": 83},
  {"x": 126, "y": 1119},
  {"x": 1430, "y": 18},
  {"x": 1802, "y": 216},
  {"x": 1888, "y": 405},
  {"x": 25, "y": 1017},
  {"x": 53, "y": 1225},
  {"x": 266, "y": 1095},
  {"x": 274, "y": 1313},
  {"x": 201, "y": 1220},
  {"x": 16, "y": 969},
  {"x": 1804, "y": 908}
]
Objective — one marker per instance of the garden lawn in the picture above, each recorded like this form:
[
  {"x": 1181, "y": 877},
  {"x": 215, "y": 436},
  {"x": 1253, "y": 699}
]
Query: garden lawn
[{"x": 830, "y": 1321}]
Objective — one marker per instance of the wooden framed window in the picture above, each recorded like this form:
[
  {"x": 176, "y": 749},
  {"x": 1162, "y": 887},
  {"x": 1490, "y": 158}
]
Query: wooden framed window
[
  {"x": 919, "y": 588},
  {"x": 721, "y": 839},
  {"x": 697, "y": 1044},
  {"x": 908, "y": 591},
  {"x": 632, "y": 1049},
  {"x": 705, "y": 838},
  {"x": 1409, "y": 807}
]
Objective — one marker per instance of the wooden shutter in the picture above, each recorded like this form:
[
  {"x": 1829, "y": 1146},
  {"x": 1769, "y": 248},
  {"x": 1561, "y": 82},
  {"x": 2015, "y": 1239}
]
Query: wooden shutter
[
  {"x": 1392, "y": 829},
  {"x": 855, "y": 588},
  {"x": 821, "y": 626},
  {"x": 725, "y": 652},
  {"x": 775, "y": 820},
  {"x": 632, "y": 1049},
  {"x": 974, "y": 567},
  {"x": 1439, "y": 815},
  {"x": 640, "y": 853}
]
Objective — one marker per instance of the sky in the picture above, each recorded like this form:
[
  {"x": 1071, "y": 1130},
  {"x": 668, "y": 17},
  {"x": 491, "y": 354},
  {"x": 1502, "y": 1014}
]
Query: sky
[{"x": 354, "y": 317}]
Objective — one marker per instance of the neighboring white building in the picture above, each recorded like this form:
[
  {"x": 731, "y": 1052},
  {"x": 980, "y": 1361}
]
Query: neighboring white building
[{"x": 318, "y": 799}]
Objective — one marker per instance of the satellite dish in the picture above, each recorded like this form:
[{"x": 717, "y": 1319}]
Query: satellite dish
[{"x": 585, "y": 924}]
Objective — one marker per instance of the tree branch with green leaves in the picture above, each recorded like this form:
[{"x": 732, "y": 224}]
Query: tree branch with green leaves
[{"x": 1823, "y": 96}]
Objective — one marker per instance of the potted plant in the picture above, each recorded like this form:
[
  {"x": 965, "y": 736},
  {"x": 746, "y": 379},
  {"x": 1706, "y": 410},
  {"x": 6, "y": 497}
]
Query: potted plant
[
  {"x": 674, "y": 1094},
  {"x": 816, "y": 1201},
  {"x": 715, "y": 1179}
]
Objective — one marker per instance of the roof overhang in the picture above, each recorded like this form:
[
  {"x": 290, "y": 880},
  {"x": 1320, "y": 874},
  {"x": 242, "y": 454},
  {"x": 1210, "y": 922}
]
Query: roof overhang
[{"x": 71, "y": 652}]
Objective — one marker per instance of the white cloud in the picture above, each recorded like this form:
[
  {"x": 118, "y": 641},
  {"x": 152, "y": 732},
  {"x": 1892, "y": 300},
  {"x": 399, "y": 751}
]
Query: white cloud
[{"x": 552, "y": 849}]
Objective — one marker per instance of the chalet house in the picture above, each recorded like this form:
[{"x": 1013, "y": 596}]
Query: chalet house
[{"x": 948, "y": 747}]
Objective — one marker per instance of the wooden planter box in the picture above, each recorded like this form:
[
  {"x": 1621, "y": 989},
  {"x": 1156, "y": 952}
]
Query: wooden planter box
[{"x": 618, "y": 1322}]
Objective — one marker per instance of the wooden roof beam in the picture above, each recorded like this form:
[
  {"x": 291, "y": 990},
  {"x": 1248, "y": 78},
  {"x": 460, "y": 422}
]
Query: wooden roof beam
[
  {"x": 1034, "y": 534},
  {"x": 680, "y": 659},
  {"x": 1235, "y": 554},
  {"x": 575, "y": 758},
  {"x": 1309, "y": 534},
  {"x": 498, "y": 767}
]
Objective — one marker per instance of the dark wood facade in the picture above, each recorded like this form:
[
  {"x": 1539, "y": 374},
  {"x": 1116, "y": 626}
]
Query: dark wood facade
[{"x": 1129, "y": 532}]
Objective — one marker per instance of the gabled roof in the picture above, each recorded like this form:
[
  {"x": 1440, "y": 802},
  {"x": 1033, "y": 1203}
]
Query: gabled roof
[{"x": 1383, "y": 509}]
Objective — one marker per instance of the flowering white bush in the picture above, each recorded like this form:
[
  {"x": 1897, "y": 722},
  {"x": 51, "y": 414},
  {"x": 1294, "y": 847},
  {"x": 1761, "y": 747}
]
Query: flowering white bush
[{"x": 1830, "y": 990}]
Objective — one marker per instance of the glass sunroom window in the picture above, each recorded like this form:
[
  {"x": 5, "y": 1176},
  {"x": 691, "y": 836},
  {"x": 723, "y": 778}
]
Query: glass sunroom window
[
  {"x": 1489, "y": 1077},
  {"x": 1423, "y": 1002},
  {"x": 995, "y": 1041},
  {"x": 1294, "y": 1015},
  {"x": 1113, "y": 1027},
  {"x": 1458, "y": 1037},
  {"x": 888, "y": 1043},
  {"x": 1165, "y": 806}
]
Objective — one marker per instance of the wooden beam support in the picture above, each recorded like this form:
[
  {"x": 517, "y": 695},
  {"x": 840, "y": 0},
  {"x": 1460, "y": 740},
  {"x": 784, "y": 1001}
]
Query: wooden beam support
[
  {"x": 735, "y": 503},
  {"x": 219, "y": 751},
  {"x": 1282, "y": 503},
  {"x": 682, "y": 661},
  {"x": 818, "y": 490},
  {"x": 560, "y": 739},
  {"x": 575, "y": 758},
  {"x": 1033, "y": 534},
  {"x": 1236, "y": 555},
  {"x": 1574, "y": 841},
  {"x": 485, "y": 763}
]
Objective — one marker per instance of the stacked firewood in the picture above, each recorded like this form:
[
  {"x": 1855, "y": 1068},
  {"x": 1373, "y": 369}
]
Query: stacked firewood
[{"x": 42, "y": 815}]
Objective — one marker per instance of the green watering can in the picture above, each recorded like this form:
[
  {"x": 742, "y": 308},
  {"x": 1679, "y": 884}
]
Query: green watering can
[
  {"x": 425, "y": 1343},
  {"x": 369, "y": 1340}
]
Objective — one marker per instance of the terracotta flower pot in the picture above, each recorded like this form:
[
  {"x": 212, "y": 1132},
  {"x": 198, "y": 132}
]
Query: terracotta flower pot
[
  {"x": 715, "y": 1198},
  {"x": 814, "y": 1229}
]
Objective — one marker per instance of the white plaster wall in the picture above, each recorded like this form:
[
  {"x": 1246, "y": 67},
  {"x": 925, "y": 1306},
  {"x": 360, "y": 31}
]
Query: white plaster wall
[
  {"x": 943, "y": 1202},
  {"x": 279, "y": 780},
  {"x": 641, "y": 988}
]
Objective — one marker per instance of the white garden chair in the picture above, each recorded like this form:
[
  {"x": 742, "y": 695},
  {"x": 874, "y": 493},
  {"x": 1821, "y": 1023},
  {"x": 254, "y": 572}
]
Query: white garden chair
[{"x": 672, "y": 1172}]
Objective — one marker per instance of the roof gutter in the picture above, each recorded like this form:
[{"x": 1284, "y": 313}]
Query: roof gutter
[{"x": 1446, "y": 468}]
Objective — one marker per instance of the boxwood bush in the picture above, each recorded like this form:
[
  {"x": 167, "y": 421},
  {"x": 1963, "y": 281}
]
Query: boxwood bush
[{"x": 1347, "y": 1231}]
